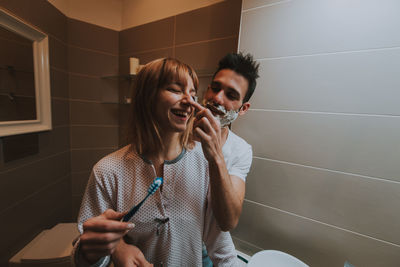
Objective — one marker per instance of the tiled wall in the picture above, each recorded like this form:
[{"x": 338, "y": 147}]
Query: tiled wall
[
  {"x": 324, "y": 127},
  {"x": 199, "y": 38},
  {"x": 35, "y": 190},
  {"x": 92, "y": 55}
]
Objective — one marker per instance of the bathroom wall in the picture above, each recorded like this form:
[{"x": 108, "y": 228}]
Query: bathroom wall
[
  {"x": 199, "y": 38},
  {"x": 92, "y": 56},
  {"x": 35, "y": 189},
  {"x": 324, "y": 126}
]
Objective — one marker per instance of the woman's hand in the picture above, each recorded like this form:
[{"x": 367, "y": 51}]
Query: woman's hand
[
  {"x": 102, "y": 234},
  {"x": 126, "y": 255}
]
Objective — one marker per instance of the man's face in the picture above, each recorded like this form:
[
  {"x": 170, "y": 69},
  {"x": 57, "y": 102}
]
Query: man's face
[{"x": 228, "y": 89}]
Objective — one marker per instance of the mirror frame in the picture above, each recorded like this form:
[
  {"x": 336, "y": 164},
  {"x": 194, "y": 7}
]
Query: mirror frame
[{"x": 41, "y": 74}]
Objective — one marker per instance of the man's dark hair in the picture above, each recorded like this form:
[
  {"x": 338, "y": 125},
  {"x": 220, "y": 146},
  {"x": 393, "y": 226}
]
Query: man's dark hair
[{"x": 244, "y": 65}]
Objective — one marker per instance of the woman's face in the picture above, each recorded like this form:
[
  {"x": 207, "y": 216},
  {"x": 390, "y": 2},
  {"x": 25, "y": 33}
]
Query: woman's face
[{"x": 173, "y": 109}]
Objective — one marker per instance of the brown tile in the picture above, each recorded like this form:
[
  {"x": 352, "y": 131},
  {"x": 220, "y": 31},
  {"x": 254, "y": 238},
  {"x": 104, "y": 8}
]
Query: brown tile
[
  {"x": 60, "y": 112},
  {"x": 91, "y": 88},
  {"x": 144, "y": 58},
  {"x": 50, "y": 143},
  {"x": 59, "y": 83},
  {"x": 153, "y": 35},
  {"x": 19, "y": 183},
  {"x": 204, "y": 57},
  {"x": 94, "y": 113},
  {"x": 204, "y": 81},
  {"x": 215, "y": 21},
  {"x": 41, "y": 14},
  {"x": 91, "y": 63},
  {"x": 86, "y": 35},
  {"x": 58, "y": 54},
  {"x": 83, "y": 160},
  {"x": 20, "y": 146},
  {"x": 20, "y": 108},
  {"x": 78, "y": 182},
  {"x": 76, "y": 204},
  {"x": 40, "y": 211},
  {"x": 94, "y": 136}
]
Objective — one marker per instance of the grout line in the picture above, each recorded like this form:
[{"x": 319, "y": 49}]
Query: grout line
[
  {"x": 60, "y": 98},
  {"x": 94, "y": 148},
  {"x": 84, "y": 75},
  {"x": 93, "y": 50},
  {"x": 326, "y": 113},
  {"x": 329, "y": 170},
  {"x": 174, "y": 39},
  {"x": 145, "y": 51},
  {"x": 180, "y": 45},
  {"x": 208, "y": 41},
  {"x": 325, "y": 224},
  {"x": 267, "y": 5},
  {"x": 35, "y": 161},
  {"x": 47, "y": 186},
  {"x": 85, "y": 100},
  {"x": 95, "y": 125},
  {"x": 332, "y": 53}
]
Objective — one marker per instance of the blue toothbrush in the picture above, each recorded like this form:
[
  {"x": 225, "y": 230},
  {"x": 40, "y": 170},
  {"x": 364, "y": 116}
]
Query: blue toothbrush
[{"x": 157, "y": 182}]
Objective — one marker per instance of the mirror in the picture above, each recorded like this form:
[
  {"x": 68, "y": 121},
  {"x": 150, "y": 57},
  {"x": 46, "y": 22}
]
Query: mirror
[{"x": 25, "y": 105}]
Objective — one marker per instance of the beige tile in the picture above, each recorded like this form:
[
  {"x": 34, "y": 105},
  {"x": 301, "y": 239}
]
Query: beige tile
[
  {"x": 365, "y": 145},
  {"x": 93, "y": 113},
  {"x": 60, "y": 112},
  {"x": 314, "y": 243},
  {"x": 332, "y": 83},
  {"x": 90, "y": 36},
  {"x": 153, "y": 35},
  {"x": 83, "y": 160},
  {"x": 94, "y": 136},
  {"x": 359, "y": 204},
  {"x": 204, "y": 57},
  {"x": 91, "y": 63},
  {"x": 21, "y": 182},
  {"x": 78, "y": 182},
  {"x": 311, "y": 27},
  {"x": 209, "y": 22}
]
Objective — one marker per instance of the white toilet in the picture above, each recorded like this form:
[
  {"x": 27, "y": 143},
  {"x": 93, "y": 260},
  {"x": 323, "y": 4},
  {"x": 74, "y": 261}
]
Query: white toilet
[
  {"x": 51, "y": 247},
  {"x": 274, "y": 258}
]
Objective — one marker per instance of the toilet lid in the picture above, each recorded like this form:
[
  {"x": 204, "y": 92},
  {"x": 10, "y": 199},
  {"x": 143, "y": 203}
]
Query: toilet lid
[
  {"x": 274, "y": 258},
  {"x": 55, "y": 245}
]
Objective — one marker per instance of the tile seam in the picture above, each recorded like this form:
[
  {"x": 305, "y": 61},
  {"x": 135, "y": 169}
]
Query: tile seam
[{"x": 325, "y": 224}]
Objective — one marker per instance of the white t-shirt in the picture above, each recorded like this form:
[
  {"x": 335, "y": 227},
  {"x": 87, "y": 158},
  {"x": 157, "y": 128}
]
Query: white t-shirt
[{"x": 238, "y": 155}]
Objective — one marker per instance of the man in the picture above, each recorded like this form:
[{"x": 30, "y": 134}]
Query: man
[{"x": 229, "y": 156}]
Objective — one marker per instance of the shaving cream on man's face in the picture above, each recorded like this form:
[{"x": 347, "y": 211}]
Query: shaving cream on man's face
[{"x": 225, "y": 117}]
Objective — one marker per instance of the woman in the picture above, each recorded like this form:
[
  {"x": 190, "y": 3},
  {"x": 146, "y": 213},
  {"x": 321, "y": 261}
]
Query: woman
[{"x": 170, "y": 226}]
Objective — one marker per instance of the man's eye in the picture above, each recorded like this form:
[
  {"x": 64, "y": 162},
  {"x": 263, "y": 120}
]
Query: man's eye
[
  {"x": 215, "y": 89},
  {"x": 232, "y": 96}
]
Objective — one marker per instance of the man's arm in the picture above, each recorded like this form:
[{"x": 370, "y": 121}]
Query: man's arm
[{"x": 227, "y": 191}]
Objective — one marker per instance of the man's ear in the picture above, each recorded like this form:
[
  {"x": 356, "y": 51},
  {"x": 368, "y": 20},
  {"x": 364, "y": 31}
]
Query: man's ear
[{"x": 245, "y": 107}]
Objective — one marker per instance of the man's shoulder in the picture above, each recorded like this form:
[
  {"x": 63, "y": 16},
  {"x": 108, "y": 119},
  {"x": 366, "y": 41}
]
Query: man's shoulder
[{"x": 235, "y": 140}]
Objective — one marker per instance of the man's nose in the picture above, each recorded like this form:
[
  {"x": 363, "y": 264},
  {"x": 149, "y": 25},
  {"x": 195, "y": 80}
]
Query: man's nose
[{"x": 219, "y": 97}]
